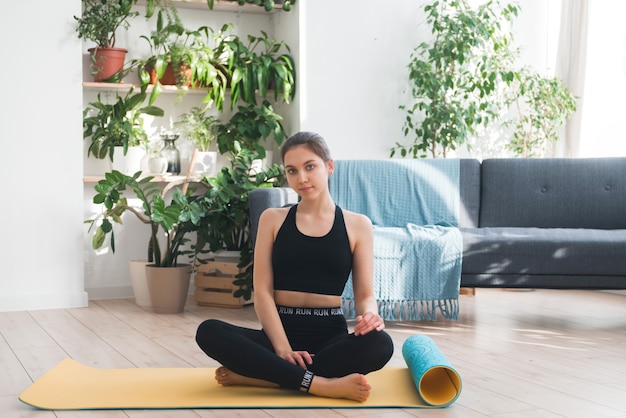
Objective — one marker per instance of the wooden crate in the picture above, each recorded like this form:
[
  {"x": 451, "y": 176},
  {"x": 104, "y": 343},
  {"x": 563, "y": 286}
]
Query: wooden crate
[{"x": 214, "y": 285}]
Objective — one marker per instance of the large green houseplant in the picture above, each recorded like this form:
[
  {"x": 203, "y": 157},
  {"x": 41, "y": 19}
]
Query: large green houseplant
[
  {"x": 174, "y": 218},
  {"x": 466, "y": 79},
  {"x": 241, "y": 139},
  {"x": 118, "y": 124},
  {"x": 258, "y": 66},
  {"x": 456, "y": 77},
  {"x": 170, "y": 220},
  {"x": 227, "y": 219},
  {"x": 249, "y": 128}
]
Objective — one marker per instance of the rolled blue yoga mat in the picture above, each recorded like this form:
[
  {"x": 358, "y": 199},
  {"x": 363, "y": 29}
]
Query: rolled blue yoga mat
[{"x": 437, "y": 383}]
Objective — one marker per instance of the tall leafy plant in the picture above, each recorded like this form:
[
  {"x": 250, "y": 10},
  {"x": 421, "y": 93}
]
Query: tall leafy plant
[
  {"x": 226, "y": 224},
  {"x": 258, "y": 66},
  {"x": 456, "y": 78},
  {"x": 466, "y": 78},
  {"x": 174, "y": 218},
  {"x": 249, "y": 128},
  {"x": 110, "y": 125}
]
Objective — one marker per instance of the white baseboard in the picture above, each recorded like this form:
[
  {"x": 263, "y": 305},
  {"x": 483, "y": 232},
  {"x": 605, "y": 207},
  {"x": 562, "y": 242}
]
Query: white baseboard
[
  {"x": 118, "y": 292},
  {"x": 38, "y": 301},
  {"x": 110, "y": 292}
]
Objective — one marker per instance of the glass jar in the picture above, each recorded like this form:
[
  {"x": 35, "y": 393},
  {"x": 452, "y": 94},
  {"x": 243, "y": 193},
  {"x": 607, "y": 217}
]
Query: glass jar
[{"x": 171, "y": 153}]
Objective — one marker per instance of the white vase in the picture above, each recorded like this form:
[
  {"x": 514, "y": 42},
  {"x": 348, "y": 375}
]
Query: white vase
[
  {"x": 157, "y": 165},
  {"x": 130, "y": 163}
]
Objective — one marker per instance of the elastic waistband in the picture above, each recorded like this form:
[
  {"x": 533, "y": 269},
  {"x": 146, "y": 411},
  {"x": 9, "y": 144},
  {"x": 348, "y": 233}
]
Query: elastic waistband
[{"x": 290, "y": 310}]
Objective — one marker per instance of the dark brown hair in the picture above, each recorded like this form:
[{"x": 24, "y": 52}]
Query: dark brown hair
[{"x": 311, "y": 140}]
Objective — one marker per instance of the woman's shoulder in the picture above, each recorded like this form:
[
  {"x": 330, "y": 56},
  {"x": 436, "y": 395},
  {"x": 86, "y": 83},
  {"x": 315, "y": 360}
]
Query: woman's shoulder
[
  {"x": 274, "y": 215},
  {"x": 357, "y": 220}
]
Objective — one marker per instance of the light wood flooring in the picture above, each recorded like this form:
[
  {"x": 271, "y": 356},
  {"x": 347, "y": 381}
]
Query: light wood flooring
[{"x": 537, "y": 354}]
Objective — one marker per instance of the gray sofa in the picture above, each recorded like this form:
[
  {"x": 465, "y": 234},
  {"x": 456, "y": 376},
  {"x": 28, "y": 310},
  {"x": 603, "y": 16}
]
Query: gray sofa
[{"x": 531, "y": 223}]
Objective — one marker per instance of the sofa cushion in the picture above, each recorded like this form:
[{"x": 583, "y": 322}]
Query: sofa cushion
[
  {"x": 544, "y": 251},
  {"x": 469, "y": 185},
  {"x": 554, "y": 193}
]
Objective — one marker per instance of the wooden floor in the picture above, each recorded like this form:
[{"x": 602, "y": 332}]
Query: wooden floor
[{"x": 542, "y": 353}]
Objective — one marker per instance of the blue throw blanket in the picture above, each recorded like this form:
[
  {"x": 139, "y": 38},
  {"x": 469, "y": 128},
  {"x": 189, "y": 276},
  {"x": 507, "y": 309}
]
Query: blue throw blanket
[{"x": 414, "y": 206}]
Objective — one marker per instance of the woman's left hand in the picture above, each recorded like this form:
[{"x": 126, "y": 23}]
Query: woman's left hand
[{"x": 367, "y": 322}]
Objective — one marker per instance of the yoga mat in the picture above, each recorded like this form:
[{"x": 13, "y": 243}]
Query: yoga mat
[
  {"x": 74, "y": 386},
  {"x": 434, "y": 377}
]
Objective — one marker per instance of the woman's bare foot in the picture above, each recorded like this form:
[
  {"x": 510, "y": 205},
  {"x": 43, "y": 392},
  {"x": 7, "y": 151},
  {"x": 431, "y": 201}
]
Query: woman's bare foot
[
  {"x": 353, "y": 386},
  {"x": 226, "y": 377}
]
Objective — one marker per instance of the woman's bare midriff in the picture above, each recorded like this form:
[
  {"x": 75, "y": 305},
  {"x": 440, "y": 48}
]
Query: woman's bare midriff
[{"x": 305, "y": 300}]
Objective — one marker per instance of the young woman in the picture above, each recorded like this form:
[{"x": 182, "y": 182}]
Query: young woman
[{"x": 302, "y": 259}]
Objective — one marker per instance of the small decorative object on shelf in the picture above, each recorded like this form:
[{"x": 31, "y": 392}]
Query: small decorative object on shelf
[{"x": 170, "y": 152}]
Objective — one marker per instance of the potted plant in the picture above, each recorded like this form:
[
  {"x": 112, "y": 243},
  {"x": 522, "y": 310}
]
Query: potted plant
[
  {"x": 185, "y": 58},
  {"x": 157, "y": 69},
  {"x": 117, "y": 127},
  {"x": 99, "y": 23},
  {"x": 170, "y": 221},
  {"x": 200, "y": 128},
  {"x": 226, "y": 224},
  {"x": 257, "y": 67},
  {"x": 248, "y": 128}
]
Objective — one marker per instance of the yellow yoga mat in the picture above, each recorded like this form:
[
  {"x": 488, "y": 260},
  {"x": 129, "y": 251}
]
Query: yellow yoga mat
[{"x": 71, "y": 385}]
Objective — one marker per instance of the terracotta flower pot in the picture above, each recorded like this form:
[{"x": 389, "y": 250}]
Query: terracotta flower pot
[
  {"x": 168, "y": 287},
  {"x": 170, "y": 77},
  {"x": 107, "y": 62}
]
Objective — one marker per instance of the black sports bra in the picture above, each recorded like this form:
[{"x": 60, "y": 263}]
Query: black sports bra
[{"x": 312, "y": 264}]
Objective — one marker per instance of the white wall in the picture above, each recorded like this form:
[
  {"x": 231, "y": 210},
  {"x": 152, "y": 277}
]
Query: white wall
[
  {"x": 41, "y": 261},
  {"x": 353, "y": 72}
]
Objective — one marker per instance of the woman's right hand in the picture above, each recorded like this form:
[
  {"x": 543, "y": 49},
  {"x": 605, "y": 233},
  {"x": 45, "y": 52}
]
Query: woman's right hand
[{"x": 300, "y": 358}]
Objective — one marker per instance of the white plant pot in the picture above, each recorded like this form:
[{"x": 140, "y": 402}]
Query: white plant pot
[
  {"x": 139, "y": 282},
  {"x": 130, "y": 163},
  {"x": 205, "y": 163}
]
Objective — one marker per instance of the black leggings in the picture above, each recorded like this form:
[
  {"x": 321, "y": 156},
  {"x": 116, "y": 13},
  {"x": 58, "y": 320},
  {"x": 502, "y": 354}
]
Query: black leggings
[{"x": 322, "y": 332}]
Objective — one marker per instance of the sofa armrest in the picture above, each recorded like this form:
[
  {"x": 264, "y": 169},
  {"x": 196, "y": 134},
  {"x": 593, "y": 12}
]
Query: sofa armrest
[{"x": 263, "y": 198}]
